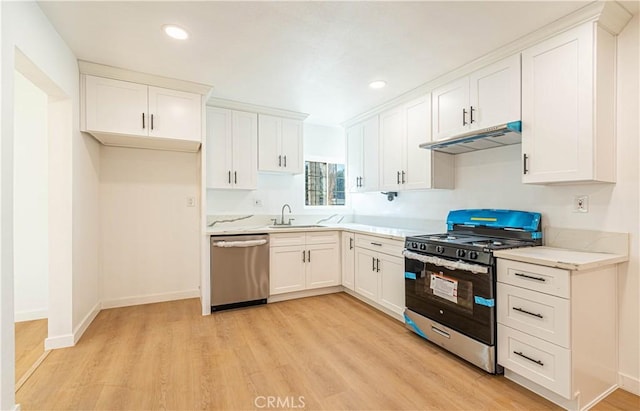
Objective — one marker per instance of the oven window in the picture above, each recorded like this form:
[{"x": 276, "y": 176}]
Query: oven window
[{"x": 446, "y": 290}]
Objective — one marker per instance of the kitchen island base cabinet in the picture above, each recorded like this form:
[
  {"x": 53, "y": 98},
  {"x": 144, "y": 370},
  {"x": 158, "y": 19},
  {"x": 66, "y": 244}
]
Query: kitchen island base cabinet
[
  {"x": 557, "y": 332},
  {"x": 304, "y": 261},
  {"x": 379, "y": 273}
]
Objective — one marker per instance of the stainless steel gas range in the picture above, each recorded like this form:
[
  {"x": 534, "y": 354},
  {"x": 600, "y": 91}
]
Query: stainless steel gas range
[{"x": 450, "y": 280}]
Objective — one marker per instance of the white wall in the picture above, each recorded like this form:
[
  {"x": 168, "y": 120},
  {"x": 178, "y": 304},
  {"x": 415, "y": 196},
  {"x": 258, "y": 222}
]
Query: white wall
[
  {"x": 492, "y": 179},
  {"x": 320, "y": 142},
  {"x": 30, "y": 199},
  {"x": 25, "y": 29},
  {"x": 149, "y": 246}
]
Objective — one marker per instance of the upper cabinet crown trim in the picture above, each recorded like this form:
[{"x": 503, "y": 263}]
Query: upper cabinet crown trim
[
  {"x": 609, "y": 15},
  {"x": 254, "y": 108},
  {"x": 116, "y": 73}
]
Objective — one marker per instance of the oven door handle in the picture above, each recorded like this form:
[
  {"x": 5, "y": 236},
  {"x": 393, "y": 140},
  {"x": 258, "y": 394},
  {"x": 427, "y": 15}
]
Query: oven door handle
[{"x": 443, "y": 262}]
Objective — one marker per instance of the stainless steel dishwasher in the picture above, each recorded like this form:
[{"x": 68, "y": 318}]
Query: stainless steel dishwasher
[{"x": 239, "y": 270}]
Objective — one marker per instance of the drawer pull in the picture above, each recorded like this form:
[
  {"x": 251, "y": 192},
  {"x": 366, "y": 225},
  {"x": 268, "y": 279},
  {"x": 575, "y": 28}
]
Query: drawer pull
[
  {"x": 528, "y": 312},
  {"x": 531, "y": 277},
  {"x": 440, "y": 332},
  {"x": 378, "y": 244},
  {"x": 540, "y": 363}
]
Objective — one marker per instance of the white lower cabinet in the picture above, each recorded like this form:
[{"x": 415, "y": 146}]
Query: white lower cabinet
[
  {"x": 348, "y": 259},
  {"x": 302, "y": 261},
  {"x": 557, "y": 331},
  {"x": 379, "y": 272}
]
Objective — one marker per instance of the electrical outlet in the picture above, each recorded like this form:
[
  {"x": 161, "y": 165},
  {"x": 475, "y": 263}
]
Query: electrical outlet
[
  {"x": 257, "y": 202},
  {"x": 581, "y": 204},
  {"x": 191, "y": 201}
]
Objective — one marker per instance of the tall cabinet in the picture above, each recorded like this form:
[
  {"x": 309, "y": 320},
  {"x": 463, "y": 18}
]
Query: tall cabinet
[
  {"x": 232, "y": 149},
  {"x": 362, "y": 156}
]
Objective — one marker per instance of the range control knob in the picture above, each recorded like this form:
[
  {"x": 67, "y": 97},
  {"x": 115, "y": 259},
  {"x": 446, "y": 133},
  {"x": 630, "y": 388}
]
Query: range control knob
[
  {"x": 414, "y": 245},
  {"x": 461, "y": 253},
  {"x": 439, "y": 249},
  {"x": 473, "y": 255},
  {"x": 423, "y": 247}
]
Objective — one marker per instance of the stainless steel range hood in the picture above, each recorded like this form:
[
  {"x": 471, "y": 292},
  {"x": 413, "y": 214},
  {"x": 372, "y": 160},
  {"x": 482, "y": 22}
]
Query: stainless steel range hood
[{"x": 491, "y": 137}]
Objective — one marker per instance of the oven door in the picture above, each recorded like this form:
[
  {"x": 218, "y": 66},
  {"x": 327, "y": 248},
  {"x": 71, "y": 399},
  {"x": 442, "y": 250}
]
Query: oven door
[{"x": 450, "y": 293}]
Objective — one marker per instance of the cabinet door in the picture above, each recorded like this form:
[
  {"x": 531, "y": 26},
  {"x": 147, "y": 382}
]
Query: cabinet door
[
  {"x": 291, "y": 146},
  {"x": 354, "y": 157},
  {"x": 449, "y": 101},
  {"x": 245, "y": 150},
  {"x": 366, "y": 276},
  {"x": 392, "y": 283},
  {"x": 370, "y": 155},
  {"x": 392, "y": 142},
  {"x": 323, "y": 265},
  {"x": 269, "y": 132},
  {"x": 495, "y": 93},
  {"x": 174, "y": 114},
  {"x": 418, "y": 160},
  {"x": 348, "y": 260},
  {"x": 557, "y": 111},
  {"x": 114, "y": 106},
  {"x": 219, "y": 148},
  {"x": 287, "y": 269}
]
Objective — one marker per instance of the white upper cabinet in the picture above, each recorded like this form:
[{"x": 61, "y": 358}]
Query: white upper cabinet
[
  {"x": 362, "y": 156},
  {"x": 279, "y": 144},
  {"x": 403, "y": 164},
  {"x": 568, "y": 107},
  {"x": 123, "y": 113},
  {"x": 487, "y": 97},
  {"x": 232, "y": 149}
]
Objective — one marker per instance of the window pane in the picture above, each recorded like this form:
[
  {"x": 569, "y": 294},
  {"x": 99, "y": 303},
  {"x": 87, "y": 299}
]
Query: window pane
[{"x": 324, "y": 183}]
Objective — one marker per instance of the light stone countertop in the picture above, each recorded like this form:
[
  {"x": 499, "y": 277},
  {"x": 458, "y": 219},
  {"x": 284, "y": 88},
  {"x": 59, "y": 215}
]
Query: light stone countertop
[
  {"x": 385, "y": 232},
  {"x": 561, "y": 257}
]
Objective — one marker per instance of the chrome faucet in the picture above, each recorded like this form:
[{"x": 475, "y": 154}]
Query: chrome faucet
[{"x": 282, "y": 215}]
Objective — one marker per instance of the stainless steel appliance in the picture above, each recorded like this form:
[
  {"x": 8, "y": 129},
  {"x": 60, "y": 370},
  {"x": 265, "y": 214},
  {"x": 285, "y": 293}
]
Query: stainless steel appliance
[
  {"x": 450, "y": 280},
  {"x": 239, "y": 270}
]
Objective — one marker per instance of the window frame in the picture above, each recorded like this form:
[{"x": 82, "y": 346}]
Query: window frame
[{"x": 328, "y": 160}]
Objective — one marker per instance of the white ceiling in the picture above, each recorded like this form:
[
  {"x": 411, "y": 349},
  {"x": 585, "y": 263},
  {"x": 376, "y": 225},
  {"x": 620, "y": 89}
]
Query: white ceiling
[{"x": 313, "y": 57}]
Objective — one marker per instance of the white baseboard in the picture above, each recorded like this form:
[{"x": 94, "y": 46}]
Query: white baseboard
[
  {"x": 61, "y": 341},
  {"x": 629, "y": 383},
  {"x": 150, "y": 299},
  {"x": 86, "y": 321},
  {"x": 304, "y": 293},
  {"x": 30, "y": 315}
]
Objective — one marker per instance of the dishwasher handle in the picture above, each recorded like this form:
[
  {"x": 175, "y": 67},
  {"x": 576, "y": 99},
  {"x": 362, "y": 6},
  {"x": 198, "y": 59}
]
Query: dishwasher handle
[{"x": 238, "y": 244}]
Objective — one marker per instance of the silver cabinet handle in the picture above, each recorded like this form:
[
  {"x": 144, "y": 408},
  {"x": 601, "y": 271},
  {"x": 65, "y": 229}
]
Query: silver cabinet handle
[
  {"x": 351, "y": 244},
  {"x": 143, "y": 120},
  {"x": 377, "y": 244},
  {"x": 279, "y": 161},
  {"x": 403, "y": 173},
  {"x": 540, "y": 363},
  {"x": 304, "y": 258},
  {"x": 377, "y": 265},
  {"x": 527, "y": 312},
  {"x": 398, "y": 177},
  {"x": 530, "y": 277},
  {"x": 309, "y": 256},
  {"x": 285, "y": 160},
  {"x": 373, "y": 264},
  {"x": 464, "y": 117}
]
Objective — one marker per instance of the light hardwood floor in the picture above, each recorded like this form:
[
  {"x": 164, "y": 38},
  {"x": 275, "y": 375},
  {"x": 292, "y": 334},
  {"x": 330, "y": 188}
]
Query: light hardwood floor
[
  {"x": 30, "y": 336},
  {"x": 333, "y": 350}
]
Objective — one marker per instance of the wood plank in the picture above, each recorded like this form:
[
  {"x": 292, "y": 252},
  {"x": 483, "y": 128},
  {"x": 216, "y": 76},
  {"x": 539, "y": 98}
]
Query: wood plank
[
  {"x": 29, "y": 337},
  {"x": 333, "y": 351}
]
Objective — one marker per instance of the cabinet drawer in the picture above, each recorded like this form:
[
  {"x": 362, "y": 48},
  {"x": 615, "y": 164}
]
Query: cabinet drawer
[
  {"x": 322, "y": 237},
  {"x": 286, "y": 239},
  {"x": 541, "y": 315},
  {"x": 537, "y": 360},
  {"x": 382, "y": 245},
  {"x": 547, "y": 280}
]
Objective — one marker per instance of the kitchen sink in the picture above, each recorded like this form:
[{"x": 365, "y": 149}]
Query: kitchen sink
[{"x": 296, "y": 226}]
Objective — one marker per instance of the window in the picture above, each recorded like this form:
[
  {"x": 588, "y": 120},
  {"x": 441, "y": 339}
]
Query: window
[{"x": 324, "y": 184}]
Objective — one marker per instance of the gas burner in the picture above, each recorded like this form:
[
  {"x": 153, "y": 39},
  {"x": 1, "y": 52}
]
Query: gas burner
[
  {"x": 486, "y": 243},
  {"x": 442, "y": 237}
]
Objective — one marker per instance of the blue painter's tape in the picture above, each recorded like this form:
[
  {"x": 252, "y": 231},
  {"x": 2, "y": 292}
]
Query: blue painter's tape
[
  {"x": 413, "y": 325},
  {"x": 489, "y": 302},
  {"x": 410, "y": 276}
]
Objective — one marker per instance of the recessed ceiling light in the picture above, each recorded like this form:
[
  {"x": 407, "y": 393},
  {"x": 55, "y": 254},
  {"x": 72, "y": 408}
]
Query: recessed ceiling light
[
  {"x": 175, "y": 32},
  {"x": 377, "y": 84}
]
